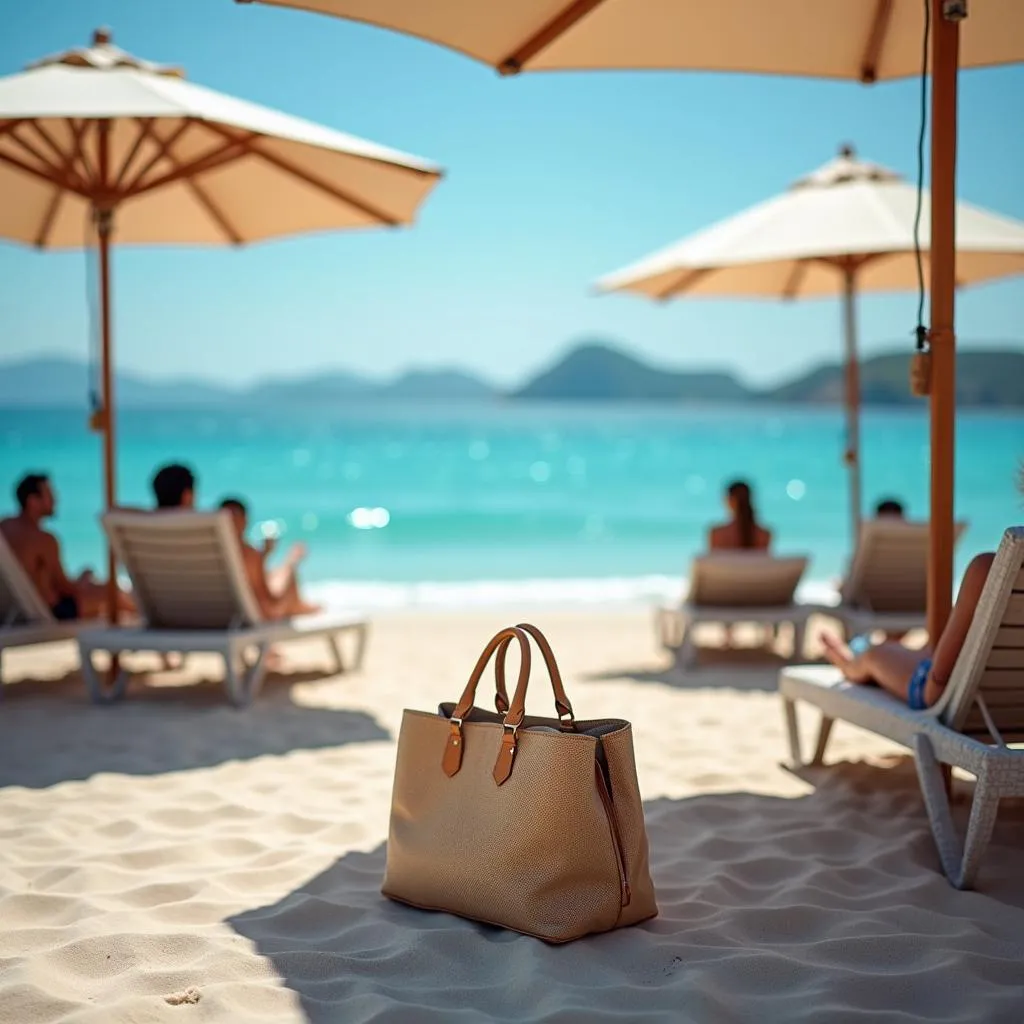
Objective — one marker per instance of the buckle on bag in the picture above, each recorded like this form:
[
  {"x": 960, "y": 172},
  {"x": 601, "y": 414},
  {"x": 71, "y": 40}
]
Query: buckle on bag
[{"x": 451, "y": 761}]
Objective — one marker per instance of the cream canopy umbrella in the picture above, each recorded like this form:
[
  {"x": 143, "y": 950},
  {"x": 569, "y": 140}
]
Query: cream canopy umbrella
[
  {"x": 864, "y": 40},
  {"x": 97, "y": 140},
  {"x": 846, "y": 228}
]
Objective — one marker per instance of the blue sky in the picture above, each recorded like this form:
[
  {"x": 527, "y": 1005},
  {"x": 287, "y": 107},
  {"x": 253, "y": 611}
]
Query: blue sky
[{"x": 552, "y": 181}]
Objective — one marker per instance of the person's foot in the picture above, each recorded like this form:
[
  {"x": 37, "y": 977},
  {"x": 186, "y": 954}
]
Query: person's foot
[
  {"x": 308, "y": 608},
  {"x": 843, "y": 658}
]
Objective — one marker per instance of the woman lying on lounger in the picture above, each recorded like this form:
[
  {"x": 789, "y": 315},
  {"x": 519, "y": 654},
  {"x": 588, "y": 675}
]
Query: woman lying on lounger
[{"x": 918, "y": 677}]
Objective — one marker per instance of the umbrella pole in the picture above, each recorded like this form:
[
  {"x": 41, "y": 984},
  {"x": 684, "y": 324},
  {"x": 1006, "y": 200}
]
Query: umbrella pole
[
  {"x": 941, "y": 337},
  {"x": 852, "y": 398},
  {"x": 104, "y": 227},
  {"x": 104, "y": 213}
]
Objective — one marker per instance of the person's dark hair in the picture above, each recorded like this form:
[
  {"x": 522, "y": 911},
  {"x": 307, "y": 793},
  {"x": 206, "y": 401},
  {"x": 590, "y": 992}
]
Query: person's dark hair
[
  {"x": 235, "y": 505},
  {"x": 746, "y": 517},
  {"x": 29, "y": 486},
  {"x": 170, "y": 484},
  {"x": 890, "y": 507}
]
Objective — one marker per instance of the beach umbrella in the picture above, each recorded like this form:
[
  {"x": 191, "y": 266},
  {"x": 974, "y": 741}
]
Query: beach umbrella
[
  {"x": 846, "y": 228},
  {"x": 96, "y": 144},
  {"x": 861, "y": 40}
]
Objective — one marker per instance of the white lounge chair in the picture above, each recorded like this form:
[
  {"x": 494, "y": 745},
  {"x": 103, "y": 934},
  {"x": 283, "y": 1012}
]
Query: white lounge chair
[
  {"x": 192, "y": 594},
  {"x": 731, "y": 587},
  {"x": 887, "y": 584},
  {"x": 24, "y": 618},
  {"x": 980, "y": 713}
]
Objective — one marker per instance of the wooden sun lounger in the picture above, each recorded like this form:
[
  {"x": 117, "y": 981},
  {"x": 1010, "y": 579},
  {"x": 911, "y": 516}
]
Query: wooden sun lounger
[
  {"x": 979, "y": 716},
  {"x": 192, "y": 594},
  {"x": 732, "y": 587}
]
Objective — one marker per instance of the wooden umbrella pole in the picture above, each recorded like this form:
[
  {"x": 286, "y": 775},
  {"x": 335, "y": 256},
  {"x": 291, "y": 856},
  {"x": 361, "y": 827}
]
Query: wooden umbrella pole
[
  {"x": 104, "y": 228},
  {"x": 852, "y": 399},
  {"x": 941, "y": 336},
  {"x": 104, "y": 213}
]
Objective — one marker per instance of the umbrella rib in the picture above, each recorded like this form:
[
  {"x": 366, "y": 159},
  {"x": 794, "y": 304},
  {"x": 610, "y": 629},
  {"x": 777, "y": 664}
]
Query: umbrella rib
[
  {"x": 791, "y": 288},
  {"x": 35, "y": 172},
  {"x": 78, "y": 131},
  {"x": 211, "y": 160},
  {"x": 145, "y": 132},
  {"x": 311, "y": 179},
  {"x": 8, "y": 126},
  {"x": 49, "y": 218},
  {"x": 541, "y": 40},
  {"x": 52, "y": 169},
  {"x": 137, "y": 184},
  {"x": 67, "y": 157},
  {"x": 688, "y": 277},
  {"x": 876, "y": 40}
]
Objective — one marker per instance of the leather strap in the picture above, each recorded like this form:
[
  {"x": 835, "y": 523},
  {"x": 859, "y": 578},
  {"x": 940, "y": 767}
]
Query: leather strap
[
  {"x": 563, "y": 708},
  {"x": 451, "y": 760}
]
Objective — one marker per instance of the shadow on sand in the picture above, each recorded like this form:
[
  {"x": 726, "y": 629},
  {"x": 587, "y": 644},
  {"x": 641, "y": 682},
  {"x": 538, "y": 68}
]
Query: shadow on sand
[
  {"x": 771, "y": 908},
  {"x": 158, "y": 728}
]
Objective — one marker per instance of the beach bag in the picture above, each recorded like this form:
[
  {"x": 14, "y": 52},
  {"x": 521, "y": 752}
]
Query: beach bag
[{"x": 531, "y": 824}]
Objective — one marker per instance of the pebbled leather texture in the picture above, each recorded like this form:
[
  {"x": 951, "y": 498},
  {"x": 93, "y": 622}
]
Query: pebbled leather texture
[{"x": 539, "y": 830}]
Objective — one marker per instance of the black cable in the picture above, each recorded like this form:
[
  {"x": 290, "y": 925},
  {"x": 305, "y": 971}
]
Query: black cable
[{"x": 921, "y": 332}]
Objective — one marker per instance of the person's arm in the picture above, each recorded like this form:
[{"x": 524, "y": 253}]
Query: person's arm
[
  {"x": 947, "y": 650},
  {"x": 715, "y": 538},
  {"x": 255, "y": 570},
  {"x": 50, "y": 547}
]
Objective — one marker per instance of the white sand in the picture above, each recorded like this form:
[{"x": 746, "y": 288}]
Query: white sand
[{"x": 172, "y": 859}]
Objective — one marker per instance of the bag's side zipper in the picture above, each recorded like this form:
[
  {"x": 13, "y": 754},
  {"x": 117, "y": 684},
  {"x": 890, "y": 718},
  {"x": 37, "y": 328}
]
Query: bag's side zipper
[{"x": 620, "y": 857}]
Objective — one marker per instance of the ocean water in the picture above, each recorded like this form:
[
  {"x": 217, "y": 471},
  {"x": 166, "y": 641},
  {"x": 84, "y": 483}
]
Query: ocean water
[{"x": 469, "y": 505}]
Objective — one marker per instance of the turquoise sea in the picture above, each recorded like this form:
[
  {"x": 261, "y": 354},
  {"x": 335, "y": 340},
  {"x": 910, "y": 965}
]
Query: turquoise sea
[{"x": 468, "y": 504}]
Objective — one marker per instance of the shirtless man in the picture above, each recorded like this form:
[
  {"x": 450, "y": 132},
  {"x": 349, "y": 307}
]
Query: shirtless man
[
  {"x": 39, "y": 554},
  {"x": 276, "y": 590}
]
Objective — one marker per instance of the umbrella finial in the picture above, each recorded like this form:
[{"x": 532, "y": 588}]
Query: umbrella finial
[
  {"x": 847, "y": 151},
  {"x": 102, "y": 37}
]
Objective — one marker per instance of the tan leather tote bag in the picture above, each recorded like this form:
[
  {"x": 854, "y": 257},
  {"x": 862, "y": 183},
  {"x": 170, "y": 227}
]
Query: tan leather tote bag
[{"x": 533, "y": 824}]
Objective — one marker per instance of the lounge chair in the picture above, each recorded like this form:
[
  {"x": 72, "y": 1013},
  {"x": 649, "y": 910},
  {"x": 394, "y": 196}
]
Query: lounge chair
[
  {"x": 887, "y": 584},
  {"x": 731, "y": 587},
  {"x": 192, "y": 594},
  {"x": 24, "y": 617},
  {"x": 978, "y": 715}
]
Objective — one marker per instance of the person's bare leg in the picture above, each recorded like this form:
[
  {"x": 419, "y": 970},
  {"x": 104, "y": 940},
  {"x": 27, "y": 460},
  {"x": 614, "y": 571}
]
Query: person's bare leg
[
  {"x": 92, "y": 598},
  {"x": 283, "y": 584},
  {"x": 889, "y": 665}
]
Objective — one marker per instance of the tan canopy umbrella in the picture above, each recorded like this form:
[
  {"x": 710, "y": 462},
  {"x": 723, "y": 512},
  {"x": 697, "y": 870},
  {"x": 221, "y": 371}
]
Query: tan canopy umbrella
[
  {"x": 96, "y": 143},
  {"x": 863, "y": 40},
  {"x": 846, "y": 228}
]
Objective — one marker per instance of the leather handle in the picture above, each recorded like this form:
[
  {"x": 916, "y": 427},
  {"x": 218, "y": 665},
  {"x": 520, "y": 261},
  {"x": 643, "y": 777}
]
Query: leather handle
[
  {"x": 451, "y": 760},
  {"x": 563, "y": 708},
  {"x": 499, "y": 642}
]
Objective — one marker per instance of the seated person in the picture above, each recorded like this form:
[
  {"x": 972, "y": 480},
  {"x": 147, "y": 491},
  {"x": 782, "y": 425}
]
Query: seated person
[
  {"x": 742, "y": 532},
  {"x": 917, "y": 677},
  {"x": 38, "y": 551},
  {"x": 890, "y": 508},
  {"x": 276, "y": 590},
  {"x": 174, "y": 486}
]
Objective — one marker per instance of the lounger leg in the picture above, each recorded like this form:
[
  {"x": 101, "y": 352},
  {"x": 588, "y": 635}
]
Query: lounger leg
[
  {"x": 686, "y": 652},
  {"x": 799, "y": 638},
  {"x": 242, "y": 680},
  {"x": 362, "y": 632},
  {"x": 824, "y": 731},
  {"x": 668, "y": 628},
  {"x": 338, "y": 655},
  {"x": 960, "y": 864},
  {"x": 100, "y": 691},
  {"x": 792, "y": 731}
]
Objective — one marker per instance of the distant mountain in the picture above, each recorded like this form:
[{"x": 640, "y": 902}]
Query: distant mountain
[
  {"x": 591, "y": 372},
  {"x": 58, "y": 382},
  {"x": 439, "y": 385},
  {"x": 993, "y": 377},
  {"x": 596, "y": 371}
]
